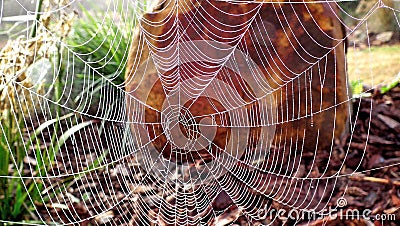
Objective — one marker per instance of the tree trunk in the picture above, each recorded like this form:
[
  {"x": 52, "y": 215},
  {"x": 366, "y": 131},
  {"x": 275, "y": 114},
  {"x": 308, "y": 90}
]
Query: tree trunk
[{"x": 299, "y": 48}]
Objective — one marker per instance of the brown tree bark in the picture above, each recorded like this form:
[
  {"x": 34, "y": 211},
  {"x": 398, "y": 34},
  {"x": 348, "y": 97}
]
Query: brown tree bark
[{"x": 304, "y": 61}]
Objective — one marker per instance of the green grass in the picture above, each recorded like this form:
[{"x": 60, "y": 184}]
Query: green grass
[
  {"x": 103, "y": 43},
  {"x": 19, "y": 195},
  {"x": 394, "y": 83}
]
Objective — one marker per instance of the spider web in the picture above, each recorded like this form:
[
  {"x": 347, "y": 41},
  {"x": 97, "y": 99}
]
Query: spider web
[{"x": 212, "y": 118}]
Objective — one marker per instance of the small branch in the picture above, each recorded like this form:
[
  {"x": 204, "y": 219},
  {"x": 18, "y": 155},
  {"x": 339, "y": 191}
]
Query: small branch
[
  {"x": 36, "y": 21},
  {"x": 374, "y": 180}
]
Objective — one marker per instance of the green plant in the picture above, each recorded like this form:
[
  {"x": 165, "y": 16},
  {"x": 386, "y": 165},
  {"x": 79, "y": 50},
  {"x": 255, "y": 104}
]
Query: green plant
[
  {"x": 391, "y": 85},
  {"x": 16, "y": 103},
  {"x": 100, "y": 43},
  {"x": 356, "y": 87},
  {"x": 24, "y": 158},
  {"x": 19, "y": 193},
  {"x": 12, "y": 152}
]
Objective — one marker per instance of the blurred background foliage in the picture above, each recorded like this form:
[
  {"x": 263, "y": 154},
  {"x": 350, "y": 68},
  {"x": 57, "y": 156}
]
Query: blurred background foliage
[{"x": 33, "y": 60}]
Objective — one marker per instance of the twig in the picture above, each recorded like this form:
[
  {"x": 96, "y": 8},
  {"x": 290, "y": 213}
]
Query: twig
[
  {"x": 38, "y": 9},
  {"x": 374, "y": 180}
]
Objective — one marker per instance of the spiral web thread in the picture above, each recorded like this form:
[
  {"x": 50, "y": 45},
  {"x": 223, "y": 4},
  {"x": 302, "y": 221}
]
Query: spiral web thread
[{"x": 133, "y": 177}]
